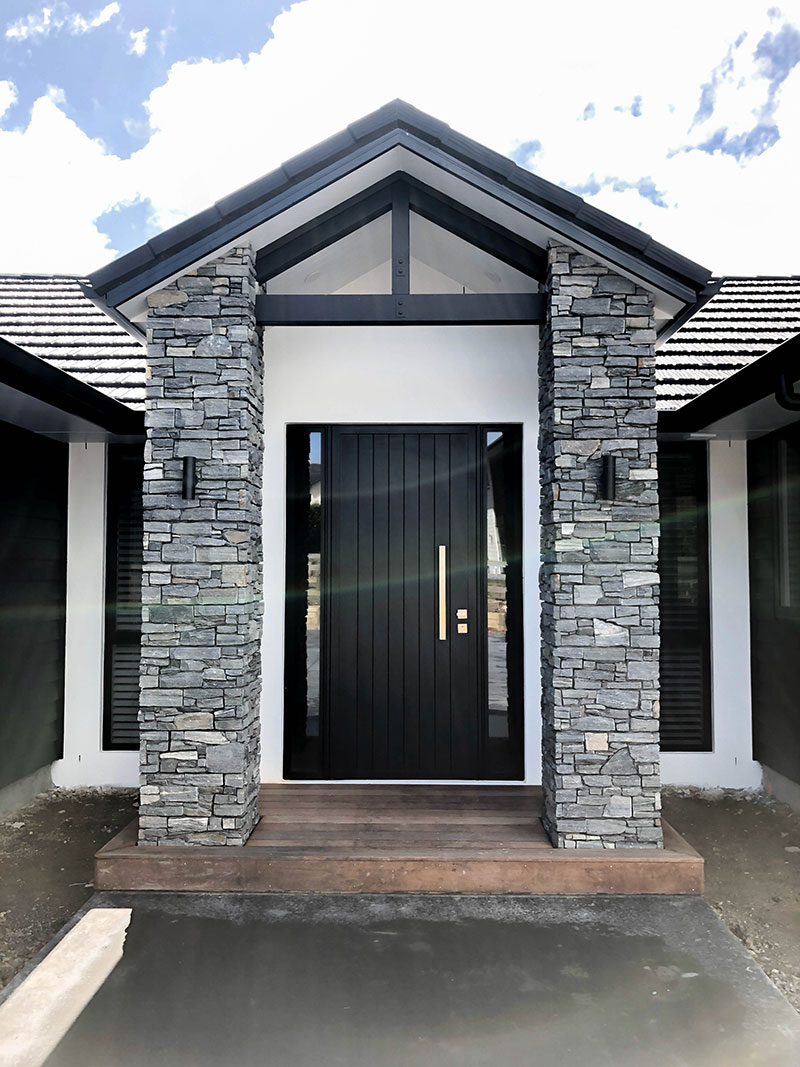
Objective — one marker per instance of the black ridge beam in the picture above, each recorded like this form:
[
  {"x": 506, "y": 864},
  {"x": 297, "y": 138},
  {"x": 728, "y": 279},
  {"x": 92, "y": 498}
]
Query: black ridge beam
[{"x": 429, "y": 309}]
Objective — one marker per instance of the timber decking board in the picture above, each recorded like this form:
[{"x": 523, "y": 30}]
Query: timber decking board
[{"x": 383, "y": 839}]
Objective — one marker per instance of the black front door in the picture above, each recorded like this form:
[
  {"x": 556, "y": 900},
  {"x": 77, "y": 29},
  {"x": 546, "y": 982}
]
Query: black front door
[{"x": 404, "y": 685}]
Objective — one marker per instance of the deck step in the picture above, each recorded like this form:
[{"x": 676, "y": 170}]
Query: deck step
[{"x": 399, "y": 839}]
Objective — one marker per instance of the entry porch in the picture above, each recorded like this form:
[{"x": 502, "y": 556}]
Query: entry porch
[{"x": 347, "y": 838}]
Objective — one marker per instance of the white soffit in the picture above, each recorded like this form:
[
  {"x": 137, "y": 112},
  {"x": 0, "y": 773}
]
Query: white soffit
[{"x": 395, "y": 160}]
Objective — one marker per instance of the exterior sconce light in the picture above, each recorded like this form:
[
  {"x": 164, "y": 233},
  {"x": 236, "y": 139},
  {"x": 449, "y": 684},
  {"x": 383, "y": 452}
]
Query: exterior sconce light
[
  {"x": 189, "y": 477},
  {"x": 608, "y": 478}
]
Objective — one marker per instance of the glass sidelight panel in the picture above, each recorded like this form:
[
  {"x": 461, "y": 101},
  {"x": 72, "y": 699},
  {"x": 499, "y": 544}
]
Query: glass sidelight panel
[
  {"x": 303, "y": 733},
  {"x": 503, "y": 562}
]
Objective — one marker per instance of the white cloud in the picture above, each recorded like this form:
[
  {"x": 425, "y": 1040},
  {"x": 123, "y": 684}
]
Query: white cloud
[
  {"x": 79, "y": 24},
  {"x": 138, "y": 45},
  {"x": 505, "y": 74},
  {"x": 8, "y": 96},
  {"x": 57, "y": 17},
  {"x": 59, "y": 181}
]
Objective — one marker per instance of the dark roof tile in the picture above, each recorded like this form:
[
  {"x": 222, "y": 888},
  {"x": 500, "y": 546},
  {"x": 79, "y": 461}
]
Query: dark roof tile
[
  {"x": 51, "y": 317},
  {"x": 745, "y": 319}
]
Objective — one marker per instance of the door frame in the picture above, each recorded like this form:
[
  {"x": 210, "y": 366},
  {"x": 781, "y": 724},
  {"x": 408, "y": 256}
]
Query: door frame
[{"x": 480, "y": 430}]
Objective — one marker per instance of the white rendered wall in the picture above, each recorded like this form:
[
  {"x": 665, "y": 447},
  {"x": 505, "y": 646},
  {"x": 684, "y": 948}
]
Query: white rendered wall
[
  {"x": 408, "y": 374},
  {"x": 730, "y": 764},
  {"x": 85, "y": 763}
]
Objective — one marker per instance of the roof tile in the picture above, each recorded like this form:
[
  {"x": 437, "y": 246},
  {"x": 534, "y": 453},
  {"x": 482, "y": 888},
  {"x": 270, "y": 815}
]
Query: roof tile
[{"x": 51, "y": 317}]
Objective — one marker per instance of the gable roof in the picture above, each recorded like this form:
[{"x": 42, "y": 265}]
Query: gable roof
[
  {"x": 398, "y": 126},
  {"x": 51, "y": 316},
  {"x": 747, "y": 318}
]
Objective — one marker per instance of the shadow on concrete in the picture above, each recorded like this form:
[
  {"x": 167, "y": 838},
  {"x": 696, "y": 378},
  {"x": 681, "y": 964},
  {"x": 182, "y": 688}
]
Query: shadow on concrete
[{"x": 429, "y": 980}]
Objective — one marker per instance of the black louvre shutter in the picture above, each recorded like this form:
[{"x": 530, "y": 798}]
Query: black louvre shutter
[
  {"x": 685, "y": 622},
  {"x": 123, "y": 595}
]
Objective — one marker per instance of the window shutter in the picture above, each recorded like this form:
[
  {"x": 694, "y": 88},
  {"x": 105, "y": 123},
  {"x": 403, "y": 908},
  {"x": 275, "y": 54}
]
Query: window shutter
[
  {"x": 684, "y": 605},
  {"x": 123, "y": 596}
]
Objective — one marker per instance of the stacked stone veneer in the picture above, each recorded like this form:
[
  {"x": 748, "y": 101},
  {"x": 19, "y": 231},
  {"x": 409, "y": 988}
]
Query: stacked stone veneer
[
  {"x": 201, "y": 584},
  {"x": 600, "y": 635}
]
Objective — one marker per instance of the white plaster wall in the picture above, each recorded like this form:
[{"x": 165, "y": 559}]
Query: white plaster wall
[
  {"x": 409, "y": 374},
  {"x": 730, "y": 764},
  {"x": 84, "y": 762}
]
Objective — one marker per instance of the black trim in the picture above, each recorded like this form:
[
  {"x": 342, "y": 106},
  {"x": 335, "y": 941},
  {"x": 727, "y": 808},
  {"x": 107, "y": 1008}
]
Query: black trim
[
  {"x": 396, "y": 124},
  {"x": 757, "y": 381},
  {"x": 433, "y": 309},
  {"x": 33, "y": 376}
]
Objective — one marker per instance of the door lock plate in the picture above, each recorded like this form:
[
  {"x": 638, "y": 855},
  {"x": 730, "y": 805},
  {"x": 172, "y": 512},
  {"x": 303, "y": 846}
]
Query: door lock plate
[
  {"x": 463, "y": 627},
  {"x": 462, "y": 613}
]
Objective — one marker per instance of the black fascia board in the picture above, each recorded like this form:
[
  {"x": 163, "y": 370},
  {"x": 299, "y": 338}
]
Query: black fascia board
[
  {"x": 418, "y": 309},
  {"x": 136, "y": 331},
  {"x": 758, "y": 380},
  {"x": 708, "y": 291},
  {"x": 33, "y": 376},
  {"x": 394, "y": 124},
  {"x": 131, "y": 283}
]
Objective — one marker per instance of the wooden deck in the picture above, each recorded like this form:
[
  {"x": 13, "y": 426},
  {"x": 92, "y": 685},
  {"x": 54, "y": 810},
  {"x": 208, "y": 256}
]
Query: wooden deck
[{"x": 398, "y": 839}]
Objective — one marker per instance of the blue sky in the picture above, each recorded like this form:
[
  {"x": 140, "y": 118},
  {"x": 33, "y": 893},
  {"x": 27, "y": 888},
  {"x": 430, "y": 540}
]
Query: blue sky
[{"x": 118, "y": 119}]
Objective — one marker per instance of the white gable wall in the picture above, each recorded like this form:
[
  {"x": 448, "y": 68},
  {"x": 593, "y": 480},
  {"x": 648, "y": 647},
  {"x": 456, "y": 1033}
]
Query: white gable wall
[{"x": 394, "y": 374}]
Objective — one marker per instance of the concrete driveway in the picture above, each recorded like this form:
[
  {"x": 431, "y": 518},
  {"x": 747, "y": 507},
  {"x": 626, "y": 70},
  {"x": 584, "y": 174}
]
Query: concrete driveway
[{"x": 180, "y": 980}]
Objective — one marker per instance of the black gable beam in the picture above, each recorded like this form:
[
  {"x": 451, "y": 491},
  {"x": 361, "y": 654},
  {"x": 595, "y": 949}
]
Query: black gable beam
[
  {"x": 428, "y": 309},
  {"x": 325, "y": 230},
  {"x": 401, "y": 239},
  {"x": 477, "y": 230}
]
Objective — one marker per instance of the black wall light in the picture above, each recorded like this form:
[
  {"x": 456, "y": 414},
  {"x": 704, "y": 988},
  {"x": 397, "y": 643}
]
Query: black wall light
[
  {"x": 608, "y": 478},
  {"x": 189, "y": 477}
]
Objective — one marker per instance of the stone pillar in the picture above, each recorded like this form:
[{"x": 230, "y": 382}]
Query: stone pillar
[
  {"x": 599, "y": 576},
  {"x": 201, "y": 581}
]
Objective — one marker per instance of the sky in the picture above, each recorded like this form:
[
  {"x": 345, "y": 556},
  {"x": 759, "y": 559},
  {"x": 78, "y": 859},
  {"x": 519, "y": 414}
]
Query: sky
[{"x": 120, "y": 119}]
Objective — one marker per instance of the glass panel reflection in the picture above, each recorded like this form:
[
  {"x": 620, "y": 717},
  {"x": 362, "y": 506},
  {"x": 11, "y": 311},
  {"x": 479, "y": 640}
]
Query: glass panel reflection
[
  {"x": 504, "y": 602},
  {"x": 303, "y": 579}
]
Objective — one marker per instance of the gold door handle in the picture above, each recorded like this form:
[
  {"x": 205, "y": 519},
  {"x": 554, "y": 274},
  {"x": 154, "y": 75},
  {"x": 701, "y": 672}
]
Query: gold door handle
[{"x": 442, "y": 593}]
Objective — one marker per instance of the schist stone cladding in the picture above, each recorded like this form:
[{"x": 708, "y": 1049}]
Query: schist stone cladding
[
  {"x": 598, "y": 577},
  {"x": 201, "y": 585}
]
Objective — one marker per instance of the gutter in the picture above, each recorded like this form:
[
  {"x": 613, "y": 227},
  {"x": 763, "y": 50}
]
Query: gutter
[
  {"x": 765, "y": 377},
  {"x": 706, "y": 293},
  {"x": 34, "y": 377}
]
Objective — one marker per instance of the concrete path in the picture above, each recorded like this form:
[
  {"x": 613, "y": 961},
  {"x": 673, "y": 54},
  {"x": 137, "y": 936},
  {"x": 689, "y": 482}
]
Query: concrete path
[{"x": 289, "y": 980}]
